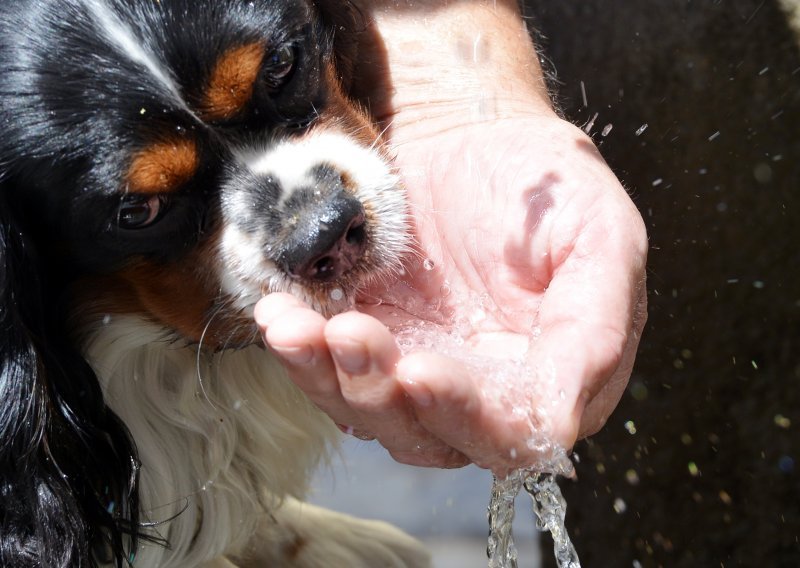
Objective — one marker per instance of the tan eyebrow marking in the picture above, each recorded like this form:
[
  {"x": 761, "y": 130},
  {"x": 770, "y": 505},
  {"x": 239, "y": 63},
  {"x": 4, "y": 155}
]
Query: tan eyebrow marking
[
  {"x": 230, "y": 86},
  {"x": 163, "y": 167}
]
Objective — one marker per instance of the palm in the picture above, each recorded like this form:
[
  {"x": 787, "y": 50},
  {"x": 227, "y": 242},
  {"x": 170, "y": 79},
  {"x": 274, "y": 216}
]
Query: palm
[
  {"x": 514, "y": 238},
  {"x": 531, "y": 252}
]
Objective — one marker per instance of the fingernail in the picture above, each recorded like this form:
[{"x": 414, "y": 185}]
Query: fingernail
[
  {"x": 352, "y": 357},
  {"x": 302, "y": 355},
  {"x": 419, "y": 393}
]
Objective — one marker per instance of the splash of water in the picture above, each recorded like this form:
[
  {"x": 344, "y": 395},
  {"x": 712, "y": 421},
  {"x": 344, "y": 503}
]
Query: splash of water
[
  {"x": 449, "y": 337},
  {"x": 549, "y": 509}
]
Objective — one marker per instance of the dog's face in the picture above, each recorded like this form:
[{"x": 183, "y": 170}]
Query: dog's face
[{"x": 185, "y": 157}]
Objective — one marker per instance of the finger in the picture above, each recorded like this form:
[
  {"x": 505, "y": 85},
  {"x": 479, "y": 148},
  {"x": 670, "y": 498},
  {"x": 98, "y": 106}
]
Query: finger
[
  {"x": 589, "y": 328},
  {"x": 596, "y": 413},
  {"x": 295, "y": 333},
  {"x": 449, "y": 403},
  {"x": 365, "y": 355}
]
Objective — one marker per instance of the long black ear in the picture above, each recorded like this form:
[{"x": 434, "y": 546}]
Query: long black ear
[{"x": 68, "y": 469}]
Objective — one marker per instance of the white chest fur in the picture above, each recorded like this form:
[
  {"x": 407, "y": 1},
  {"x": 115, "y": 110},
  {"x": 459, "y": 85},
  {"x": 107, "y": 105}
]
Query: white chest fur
[{"x": 222, "y": 437}]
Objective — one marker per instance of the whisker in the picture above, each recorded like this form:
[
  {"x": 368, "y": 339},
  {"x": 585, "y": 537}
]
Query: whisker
[
  {"x": 199, "y": 354},
  {"x": 380, "y": 134}
]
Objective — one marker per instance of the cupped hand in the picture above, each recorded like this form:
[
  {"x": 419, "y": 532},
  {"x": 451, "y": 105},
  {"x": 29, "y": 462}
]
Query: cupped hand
[{"x": 530, "y": 251}]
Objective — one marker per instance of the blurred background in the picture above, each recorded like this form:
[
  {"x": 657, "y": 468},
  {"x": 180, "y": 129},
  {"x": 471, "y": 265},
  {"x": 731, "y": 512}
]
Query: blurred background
[
  {"x": 445, "y": 508},
  {"x": 696, "y": 106}
]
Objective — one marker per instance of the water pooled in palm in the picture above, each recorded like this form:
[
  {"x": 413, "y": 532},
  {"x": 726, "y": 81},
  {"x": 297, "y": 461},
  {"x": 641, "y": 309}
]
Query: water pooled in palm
[{"x": 450, "y": 336}]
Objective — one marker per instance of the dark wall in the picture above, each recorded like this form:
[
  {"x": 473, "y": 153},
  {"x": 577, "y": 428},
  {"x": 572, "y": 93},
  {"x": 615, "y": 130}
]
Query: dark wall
[{"x": 700, "y": 464}]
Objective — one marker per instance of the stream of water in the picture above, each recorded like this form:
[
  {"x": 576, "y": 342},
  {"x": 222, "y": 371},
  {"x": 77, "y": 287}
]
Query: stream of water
[
  {"x": 501, "y": 385},
  {"x": 549, "y": 510}
]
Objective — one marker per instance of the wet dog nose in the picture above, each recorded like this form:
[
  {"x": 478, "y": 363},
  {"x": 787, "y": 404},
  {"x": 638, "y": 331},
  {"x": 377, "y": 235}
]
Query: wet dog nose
[{"x": 327, "y": 240}]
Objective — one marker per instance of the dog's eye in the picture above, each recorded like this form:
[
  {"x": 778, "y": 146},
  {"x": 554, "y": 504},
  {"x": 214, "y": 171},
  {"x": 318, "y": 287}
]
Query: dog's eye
[
  {"x": 279, "y": 66},
  {"x": 139, "y": 211}
]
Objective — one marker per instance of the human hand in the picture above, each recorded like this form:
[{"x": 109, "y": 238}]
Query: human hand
[{"x": 533, "y": 253}]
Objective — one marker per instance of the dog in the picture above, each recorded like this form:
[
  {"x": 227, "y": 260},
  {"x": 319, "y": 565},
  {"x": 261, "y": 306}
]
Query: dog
[{"x": 163, "y": 165}]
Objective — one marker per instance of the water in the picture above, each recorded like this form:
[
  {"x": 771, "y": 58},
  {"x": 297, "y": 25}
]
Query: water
[
  {"x": 549, "y": 510},
  {"x": 501, "y": 386}
]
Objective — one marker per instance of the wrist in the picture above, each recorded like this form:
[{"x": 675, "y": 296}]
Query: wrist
[{"x": 433, "y": 60}]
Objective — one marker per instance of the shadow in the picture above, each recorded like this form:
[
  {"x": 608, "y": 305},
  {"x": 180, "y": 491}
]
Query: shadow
[{"x": 518, "y": 253}]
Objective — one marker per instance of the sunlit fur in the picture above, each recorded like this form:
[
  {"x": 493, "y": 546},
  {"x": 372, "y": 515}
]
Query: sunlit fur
[
  {"x": 142, "y": 421},
  {"x": 215, "y": 430},
  {"x": 245, "y": 279}
]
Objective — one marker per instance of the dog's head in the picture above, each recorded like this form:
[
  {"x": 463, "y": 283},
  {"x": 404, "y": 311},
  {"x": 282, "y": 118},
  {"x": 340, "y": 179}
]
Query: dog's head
[
  {"x": 174, "y": 159},
  {"x": 187, "y": 157}
]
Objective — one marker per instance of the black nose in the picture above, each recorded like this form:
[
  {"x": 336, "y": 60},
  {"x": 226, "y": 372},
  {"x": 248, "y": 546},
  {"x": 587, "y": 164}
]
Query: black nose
[{"x": 327, "y": 240}]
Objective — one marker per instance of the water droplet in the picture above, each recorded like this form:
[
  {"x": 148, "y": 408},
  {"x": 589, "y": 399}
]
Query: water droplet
[
  {"x": 638, "y": 391},
  {"x": 762, "y": 173},
  {"x": 620, "y": 506},
  {"x": 336, "y": 294},
  {"x": 630, "y": 427},
  {"x": 106, "y": 319},
  {"x": 588, "y": 128},
  {"x": 606, "y": 130},
  {"x": 428, "y": 264},
  {"x": 714, "y": 136},
  {"x": 786, "y": 464},
  {"x": 782, "y": 422},
  {"x": 641, "y": 129},
  {"x": 445, "y": 290}
]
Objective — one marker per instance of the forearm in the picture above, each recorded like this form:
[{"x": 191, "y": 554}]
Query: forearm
[{"x": 472, "y": 59}]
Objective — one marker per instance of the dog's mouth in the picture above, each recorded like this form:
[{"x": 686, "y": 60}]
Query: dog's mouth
[
  {"x": 320, "y": 217},
  {"x": 332, "y": 270}
]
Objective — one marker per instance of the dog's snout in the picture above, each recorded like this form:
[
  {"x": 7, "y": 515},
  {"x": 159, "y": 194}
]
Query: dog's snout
[{"x": 328, "y": 242}]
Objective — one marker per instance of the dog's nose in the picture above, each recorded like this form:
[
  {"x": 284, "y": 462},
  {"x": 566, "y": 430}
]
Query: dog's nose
[{"x": 327, "y": 241}]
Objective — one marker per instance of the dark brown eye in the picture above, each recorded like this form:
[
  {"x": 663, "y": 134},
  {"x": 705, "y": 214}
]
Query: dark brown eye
[
  {"x": 139, "y": 211},
  {"x": 278, "y": 66}
]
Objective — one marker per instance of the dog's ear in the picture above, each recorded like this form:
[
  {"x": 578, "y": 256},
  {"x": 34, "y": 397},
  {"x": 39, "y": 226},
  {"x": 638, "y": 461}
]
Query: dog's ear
[
  {"x": 67, "y": 466},
  {"x": 346, "y": 25}
]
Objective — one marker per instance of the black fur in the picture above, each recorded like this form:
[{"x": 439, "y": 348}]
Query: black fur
[
  {"x": 68, "y": 468},
  {"x": 73, "y": 109}
]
